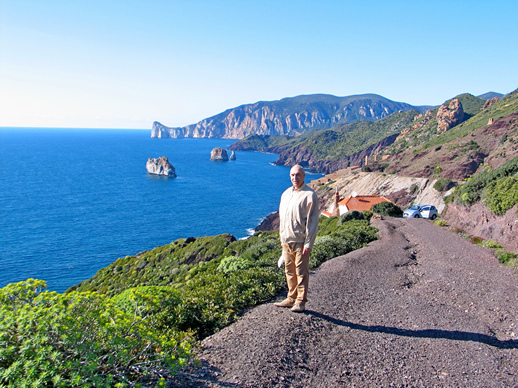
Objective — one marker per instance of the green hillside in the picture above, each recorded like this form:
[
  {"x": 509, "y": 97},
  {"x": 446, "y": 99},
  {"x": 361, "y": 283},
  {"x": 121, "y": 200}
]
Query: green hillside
[
  {"x": 334, "y": 143},
  {"x": 351, "y": 138},
  {"x": 487, "y": 138},
  {"x": 137, "y": 320}
]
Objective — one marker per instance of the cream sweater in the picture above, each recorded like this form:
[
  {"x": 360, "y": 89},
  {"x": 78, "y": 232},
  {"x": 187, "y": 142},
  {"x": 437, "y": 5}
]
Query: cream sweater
[{"x": 298, "y": 215}]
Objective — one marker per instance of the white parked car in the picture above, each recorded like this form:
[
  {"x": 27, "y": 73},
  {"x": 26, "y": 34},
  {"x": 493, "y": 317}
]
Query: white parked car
[{"x": 421, "y": 211}]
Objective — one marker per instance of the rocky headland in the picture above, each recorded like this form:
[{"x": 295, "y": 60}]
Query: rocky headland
[{"x": 289, "y": 116}]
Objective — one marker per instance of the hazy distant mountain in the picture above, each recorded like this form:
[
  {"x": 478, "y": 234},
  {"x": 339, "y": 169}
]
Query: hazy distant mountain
[
  {"x": 290, "y": 116},
  {"x": 490, "y": 95}
]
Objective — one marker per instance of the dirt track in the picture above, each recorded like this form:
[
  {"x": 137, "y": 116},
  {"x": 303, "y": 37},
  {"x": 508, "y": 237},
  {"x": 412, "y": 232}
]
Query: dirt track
[{"x": 421, "y": 307}]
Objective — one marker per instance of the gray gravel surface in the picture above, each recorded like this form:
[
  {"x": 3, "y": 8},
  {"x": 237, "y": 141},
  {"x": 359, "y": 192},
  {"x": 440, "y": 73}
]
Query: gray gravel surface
[{"x": 421, "y": 307}]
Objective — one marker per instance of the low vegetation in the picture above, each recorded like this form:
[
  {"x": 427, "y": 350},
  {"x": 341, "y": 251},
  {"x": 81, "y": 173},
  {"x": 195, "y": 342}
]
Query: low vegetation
[
  {"x": 497, "y": 188},
  {"x": 137, "y": 320},
  {"x": 387, "y": 209},
  {"x": 87, "y": 339}
]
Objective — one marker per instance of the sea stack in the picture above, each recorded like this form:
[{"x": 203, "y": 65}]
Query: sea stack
[
  {"x": 160, "y": 166},
  {"x": 232, "y": 156},
  {"x": 219, "y": 154}
]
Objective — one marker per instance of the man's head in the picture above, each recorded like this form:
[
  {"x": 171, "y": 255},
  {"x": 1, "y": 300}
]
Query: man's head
[{"x": 297, "y": 176}]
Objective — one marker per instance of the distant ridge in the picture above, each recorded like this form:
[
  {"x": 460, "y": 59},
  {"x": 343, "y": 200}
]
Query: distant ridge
[
  {"x": 490, "y": 95},
  {"x": 290, "y": 116}
]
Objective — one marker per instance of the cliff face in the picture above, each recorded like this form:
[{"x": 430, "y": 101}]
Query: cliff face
[
  {"x": 289, "y": 116},
  {"x": 478, "y": 220}
]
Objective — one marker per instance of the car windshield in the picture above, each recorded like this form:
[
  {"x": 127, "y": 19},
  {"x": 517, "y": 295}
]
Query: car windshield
[{"x": 415, "y": 207}]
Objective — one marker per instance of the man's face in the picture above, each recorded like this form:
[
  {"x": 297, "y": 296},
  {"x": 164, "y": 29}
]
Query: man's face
[{"x": 297, "y": 177}]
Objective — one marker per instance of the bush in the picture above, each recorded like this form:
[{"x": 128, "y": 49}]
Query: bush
[
  {"x": 327, "y": 247},
  {"x": 508, "y": 258},
  {"x": 472, "y": 191},
  {"x": 367, "y": 215},
  {"x": 443, "y": 184},
  {"x": 502, "y": 194},
  {"x": 387, "y": 209},
  {"x": 233, "y": 264},
  {"x": 440, "y": 223},
  {"x": 81, "y": 339},
  {"x": 492, "y": 244},
  {"x": 212, "y": 301},
  {"x": 351, "y": 215},
  {"x": 158, "y": 303}
]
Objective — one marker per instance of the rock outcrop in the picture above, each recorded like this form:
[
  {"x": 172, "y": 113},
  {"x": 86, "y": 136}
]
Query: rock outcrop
[
  {"x": 289, "y": 116},
  {"x": 450, "y": 115},
  {"x": 219, "y": 154},
  {"x": 160, "y": 166},
  {"x": 421, "y": 121},
  {"x": 490, "y": 102},
  {"x": 232, "y": 156}
]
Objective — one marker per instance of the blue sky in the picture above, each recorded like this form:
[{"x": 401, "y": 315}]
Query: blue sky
[{"x": 125, "y": 64}]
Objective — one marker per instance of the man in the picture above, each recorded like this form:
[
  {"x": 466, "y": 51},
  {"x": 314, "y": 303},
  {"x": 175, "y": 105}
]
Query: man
[{"x": 298, "y": 215}]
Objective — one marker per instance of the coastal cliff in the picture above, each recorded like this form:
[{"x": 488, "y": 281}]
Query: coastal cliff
[{"x": 289, "y": 116}]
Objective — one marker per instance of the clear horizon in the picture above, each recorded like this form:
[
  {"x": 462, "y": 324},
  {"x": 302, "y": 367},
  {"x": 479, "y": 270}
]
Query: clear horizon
[{"x": 123, "y": 65}]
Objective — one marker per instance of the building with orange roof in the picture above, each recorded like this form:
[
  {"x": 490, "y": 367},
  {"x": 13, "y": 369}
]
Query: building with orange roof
[{"x": 353, "y": 202}]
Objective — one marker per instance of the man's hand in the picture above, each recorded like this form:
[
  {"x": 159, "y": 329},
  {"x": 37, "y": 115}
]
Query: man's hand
[{"x": 306, "y": 251}]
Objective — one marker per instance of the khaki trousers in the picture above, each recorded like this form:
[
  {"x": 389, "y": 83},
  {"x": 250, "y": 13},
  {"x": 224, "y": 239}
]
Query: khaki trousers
[{"x": 296, "y": 267}]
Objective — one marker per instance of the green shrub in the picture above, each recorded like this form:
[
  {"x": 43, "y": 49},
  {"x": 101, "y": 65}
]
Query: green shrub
[
  {"x": 367, "y": 215},
  {"x": 212, "y": 301},
  {"x": 351, "y": 215},
  {"x": 232, "y": 264},
  {"x": 440, "y": 223},
  {"x": 156, "y": 302},
  {"x": 492, "y": 244},
  {"x": 472, "y": 191},
  {"x": 501, "y": 194},
  {"x": 443, "y": 184},
  {"x": 262, "y": 248},
  {"x": 387, "y": 209},
  {"x": 327, "y": 247},
  {"x": 508, "y": 258},
  {"x": 80, "y": 339}
]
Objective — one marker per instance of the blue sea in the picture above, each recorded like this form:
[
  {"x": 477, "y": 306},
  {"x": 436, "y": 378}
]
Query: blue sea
[{"x": 72, "y": 201}]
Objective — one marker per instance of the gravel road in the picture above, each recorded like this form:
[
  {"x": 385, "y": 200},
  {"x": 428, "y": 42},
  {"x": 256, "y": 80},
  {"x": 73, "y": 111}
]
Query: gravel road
[{"x": 421, "y": 307}]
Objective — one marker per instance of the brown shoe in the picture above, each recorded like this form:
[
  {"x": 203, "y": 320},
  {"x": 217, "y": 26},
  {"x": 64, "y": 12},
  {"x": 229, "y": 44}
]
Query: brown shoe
[
  {"x": 298, "y": 308},
  {"x": 285, "y": 303}
]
